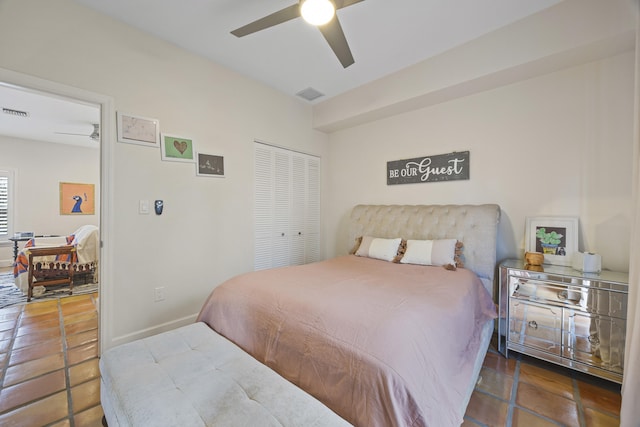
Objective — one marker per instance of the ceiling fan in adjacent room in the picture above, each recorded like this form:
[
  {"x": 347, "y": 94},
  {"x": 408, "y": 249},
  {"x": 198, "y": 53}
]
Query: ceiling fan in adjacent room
[
  {"x": 95, "y": 135},
  {"x": 320, "y": 13}
]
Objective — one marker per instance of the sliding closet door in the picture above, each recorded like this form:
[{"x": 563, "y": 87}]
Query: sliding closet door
[
  {"x": 263, "y": 210},
  {"x": 280, "y": 245},
  {"x": 287, "y": 207},
  {"x": 312, "y": 219}
]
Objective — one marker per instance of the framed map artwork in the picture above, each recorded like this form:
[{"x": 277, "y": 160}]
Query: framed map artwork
[{"x": 138, "y": 130}]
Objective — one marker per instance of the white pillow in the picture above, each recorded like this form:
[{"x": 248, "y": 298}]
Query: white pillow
[
  {"x": 378, "y": 248},
  {"x": 430, "y": 252}
]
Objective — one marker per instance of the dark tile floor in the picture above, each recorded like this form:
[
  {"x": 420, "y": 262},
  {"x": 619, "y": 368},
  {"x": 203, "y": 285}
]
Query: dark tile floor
[{"x": 49, "y": 377}]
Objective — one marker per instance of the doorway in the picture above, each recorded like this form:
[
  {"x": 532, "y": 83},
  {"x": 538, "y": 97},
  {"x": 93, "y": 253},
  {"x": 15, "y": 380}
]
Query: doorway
[{"x": 79, "y": 134}]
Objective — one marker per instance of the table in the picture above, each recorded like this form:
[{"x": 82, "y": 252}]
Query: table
[{"x": 15, "y": 241}]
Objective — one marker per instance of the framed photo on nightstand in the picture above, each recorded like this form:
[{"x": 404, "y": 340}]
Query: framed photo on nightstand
[{"x": 555, "y": 237}]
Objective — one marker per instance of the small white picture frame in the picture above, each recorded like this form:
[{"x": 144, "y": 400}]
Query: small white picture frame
[
  {"x": 138, "y": 130},
  {"x": 555, "y": 237},
  {"x": 211, "y": 165},
  {"x": 177, "y": 148}
]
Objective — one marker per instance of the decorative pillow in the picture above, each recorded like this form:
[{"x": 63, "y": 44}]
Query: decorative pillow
[
  {"x": 401, "y": 250},
  {"x": 458, "y": 256},
  {"x": 376, "y": 247},
  {"x": 356, "y": 246},
  {"x": 430, "y": 252}
]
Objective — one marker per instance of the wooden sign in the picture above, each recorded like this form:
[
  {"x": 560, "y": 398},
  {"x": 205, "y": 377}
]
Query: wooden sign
[{"x": 443, "y": 167}]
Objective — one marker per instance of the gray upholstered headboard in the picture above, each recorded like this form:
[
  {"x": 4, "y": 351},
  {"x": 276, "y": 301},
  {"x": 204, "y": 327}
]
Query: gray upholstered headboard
[{"x": 474, "y": 225}]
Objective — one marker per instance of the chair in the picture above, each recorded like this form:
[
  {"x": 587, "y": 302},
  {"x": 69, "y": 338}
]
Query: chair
[
  {"x": 58, "y": 261},
  {"x": 50, "y": 273}
]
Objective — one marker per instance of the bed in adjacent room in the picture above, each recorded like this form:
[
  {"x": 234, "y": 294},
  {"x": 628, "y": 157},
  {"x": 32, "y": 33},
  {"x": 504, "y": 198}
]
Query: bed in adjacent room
[{"x": 379, "y": 340}]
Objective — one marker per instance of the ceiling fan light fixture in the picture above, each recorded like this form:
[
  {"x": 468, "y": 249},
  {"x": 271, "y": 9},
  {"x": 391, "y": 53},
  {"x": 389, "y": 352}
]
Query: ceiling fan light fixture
[{"x": 317, "y": 12}]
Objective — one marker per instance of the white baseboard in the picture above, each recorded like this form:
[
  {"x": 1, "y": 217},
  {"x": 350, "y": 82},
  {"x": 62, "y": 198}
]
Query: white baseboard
[
  {"x": 6, "y": 263},
  {"x": 153, "y": 330}
]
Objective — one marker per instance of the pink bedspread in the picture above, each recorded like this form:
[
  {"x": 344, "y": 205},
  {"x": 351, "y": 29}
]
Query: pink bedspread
[{"x": 381, "y": 344}]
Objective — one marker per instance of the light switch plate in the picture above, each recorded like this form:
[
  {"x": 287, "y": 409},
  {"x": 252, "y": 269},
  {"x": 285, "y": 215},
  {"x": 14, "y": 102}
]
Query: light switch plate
[{"x": 144, "y": 207}]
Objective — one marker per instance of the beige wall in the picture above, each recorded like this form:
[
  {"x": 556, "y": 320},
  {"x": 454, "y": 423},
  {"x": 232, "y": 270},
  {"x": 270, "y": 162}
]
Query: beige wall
[
  {"x": 573, "y": 32},
  {"x": 573, "y": 117},
  {"x": 38, "y": 168},
  {"x": 555, "y": 145},
  {"x": 205, "y": 233},
  {"x": 545, "y": 107}
]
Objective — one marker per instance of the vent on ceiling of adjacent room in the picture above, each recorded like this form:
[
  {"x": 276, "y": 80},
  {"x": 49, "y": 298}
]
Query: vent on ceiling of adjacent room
[
  {"x": 309, "y": 94},
  {"x": 13, "y": 112}
]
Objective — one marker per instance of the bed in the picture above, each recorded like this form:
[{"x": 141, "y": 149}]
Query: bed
[
  {"x": 381, "y": 343},
  {"x": 56, "y": 261}
]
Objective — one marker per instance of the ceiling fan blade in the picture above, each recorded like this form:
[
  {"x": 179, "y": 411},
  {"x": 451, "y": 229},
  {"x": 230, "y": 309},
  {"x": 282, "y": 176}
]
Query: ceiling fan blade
[
  {"x": 75, "y": 134},
  {"x": 332, "y": 32},
  {"x": 344, "y": 3},
  {"x": 275, "y": 18}
]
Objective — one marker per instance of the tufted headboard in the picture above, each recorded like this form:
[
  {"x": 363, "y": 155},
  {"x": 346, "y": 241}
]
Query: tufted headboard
[{"x": 474, "y": 225}]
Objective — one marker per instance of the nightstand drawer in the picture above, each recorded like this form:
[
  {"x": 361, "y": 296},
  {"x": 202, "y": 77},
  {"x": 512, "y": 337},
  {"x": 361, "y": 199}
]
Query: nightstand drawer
[
  {"x": 595, "y": 340},
  {"x": 546, "y": 293},
  {"x": 607, "y": 303},
  {"x": 536, "y": 326}
]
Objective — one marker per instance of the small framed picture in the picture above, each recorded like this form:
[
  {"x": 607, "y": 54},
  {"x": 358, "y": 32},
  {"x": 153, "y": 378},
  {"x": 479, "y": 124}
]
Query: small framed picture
[
  {"x": 555, "y": 237},
  {"x": 177, "y": 149},
  {"x": 210, "y": 165},
  {"x": 138, "y": 130},
  {"x": 77, "y": 199}
]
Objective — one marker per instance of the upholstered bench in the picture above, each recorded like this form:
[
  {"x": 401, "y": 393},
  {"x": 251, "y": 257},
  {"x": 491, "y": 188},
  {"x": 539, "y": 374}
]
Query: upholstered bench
[{"x": 192, "y": 376}]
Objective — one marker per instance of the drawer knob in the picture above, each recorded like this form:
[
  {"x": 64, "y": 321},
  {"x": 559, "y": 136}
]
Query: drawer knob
[{"x": 533, "y": 324}]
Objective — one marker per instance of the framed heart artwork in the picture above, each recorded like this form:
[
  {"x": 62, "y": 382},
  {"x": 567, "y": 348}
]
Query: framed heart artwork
[{"x": 177, "y": 149}]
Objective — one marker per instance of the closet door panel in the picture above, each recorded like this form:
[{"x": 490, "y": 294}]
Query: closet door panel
[
  {"x": 298, "y": 208},
  {"x": 287, "y": 207},
  {"x": 282, "y": 209},
  {"x": 312, "y": 220},
  {"x": 263, "y": 207}
]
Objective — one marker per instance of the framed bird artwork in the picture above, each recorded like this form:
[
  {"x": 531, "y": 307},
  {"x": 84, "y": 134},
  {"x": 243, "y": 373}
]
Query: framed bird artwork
[{"x": 77, "y": 199}]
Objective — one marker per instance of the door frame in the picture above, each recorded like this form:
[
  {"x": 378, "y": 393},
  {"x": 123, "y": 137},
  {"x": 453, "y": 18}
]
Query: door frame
[{"x": 107, "y": 115}]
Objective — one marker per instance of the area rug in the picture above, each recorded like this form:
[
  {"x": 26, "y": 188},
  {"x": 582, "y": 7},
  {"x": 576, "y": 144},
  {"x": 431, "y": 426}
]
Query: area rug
[{"x": 11, "y": 295}]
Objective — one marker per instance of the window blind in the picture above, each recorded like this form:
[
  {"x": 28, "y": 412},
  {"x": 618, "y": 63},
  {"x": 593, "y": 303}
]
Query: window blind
[{"x": 4, "y": 204}]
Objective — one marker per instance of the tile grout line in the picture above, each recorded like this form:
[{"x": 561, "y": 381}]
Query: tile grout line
[
  {"x": 10, "y": 349},
  {"x": 65, "y": 357},
  {"x": 578, "y": 399},
  {"x": 514, "y": 391}
]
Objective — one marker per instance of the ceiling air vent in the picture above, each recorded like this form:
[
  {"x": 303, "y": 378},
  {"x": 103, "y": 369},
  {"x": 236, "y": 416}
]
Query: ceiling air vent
[
  {"x": 309, "y": 94},
  {"x": 15, "y": 112}
]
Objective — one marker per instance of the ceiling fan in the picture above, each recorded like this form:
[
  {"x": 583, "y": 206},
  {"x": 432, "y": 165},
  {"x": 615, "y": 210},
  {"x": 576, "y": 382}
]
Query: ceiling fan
[
  {"x": 95, "y": 135},
  {"x": 309, "y": 9}
]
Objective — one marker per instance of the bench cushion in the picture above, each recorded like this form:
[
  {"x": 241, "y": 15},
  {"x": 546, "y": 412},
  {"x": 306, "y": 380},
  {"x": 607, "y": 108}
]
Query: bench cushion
[{"x": 192, "y": 376}]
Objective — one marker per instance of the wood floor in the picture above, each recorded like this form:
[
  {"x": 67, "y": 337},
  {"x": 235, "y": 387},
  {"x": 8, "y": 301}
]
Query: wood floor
[{"x": 49, "y": 377}]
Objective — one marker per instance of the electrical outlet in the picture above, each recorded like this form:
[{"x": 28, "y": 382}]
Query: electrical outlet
[{"x": 159, "y": 294}]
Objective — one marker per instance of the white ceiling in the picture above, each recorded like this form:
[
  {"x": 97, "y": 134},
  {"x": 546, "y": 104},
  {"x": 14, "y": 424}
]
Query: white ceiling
[
  {"x": 384, "y": 35},
  {"x": 48, "y": 116}
]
